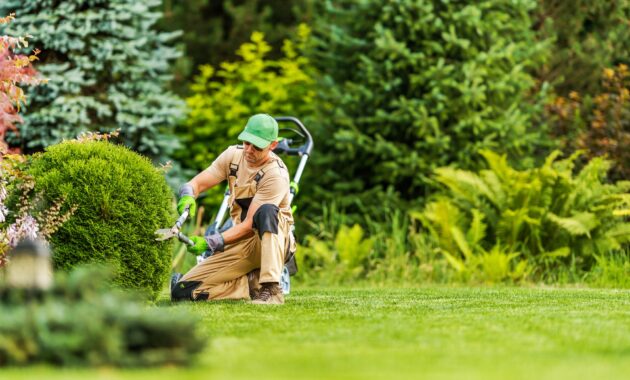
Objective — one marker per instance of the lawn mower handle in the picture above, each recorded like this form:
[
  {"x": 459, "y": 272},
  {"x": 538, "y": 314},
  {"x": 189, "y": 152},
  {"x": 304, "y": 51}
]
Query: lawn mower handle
[{"x": 307, "y": 147}]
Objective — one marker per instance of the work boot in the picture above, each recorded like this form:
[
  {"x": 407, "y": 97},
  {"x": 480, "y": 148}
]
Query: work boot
[
  {"x": 254, "y": 286},
  {"x": 270, "y": 294}
]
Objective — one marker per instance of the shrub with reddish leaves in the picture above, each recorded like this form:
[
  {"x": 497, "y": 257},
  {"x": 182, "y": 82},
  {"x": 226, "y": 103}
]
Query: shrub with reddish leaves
[
  {"x": 15, "y": 70},
  {"x": 599, "y": 124}
]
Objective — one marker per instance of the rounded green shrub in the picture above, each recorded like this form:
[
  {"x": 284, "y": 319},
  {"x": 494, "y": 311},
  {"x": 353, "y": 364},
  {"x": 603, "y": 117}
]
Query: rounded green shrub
[{"x": 121, "y": 200}]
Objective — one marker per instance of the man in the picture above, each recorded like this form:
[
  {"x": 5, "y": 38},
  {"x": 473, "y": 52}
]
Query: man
[{"x": 248, "y": 257}]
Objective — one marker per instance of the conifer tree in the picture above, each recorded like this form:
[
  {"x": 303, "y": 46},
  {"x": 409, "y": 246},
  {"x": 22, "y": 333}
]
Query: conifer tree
[
  {"x": 107, "y": 69},
  {"x": 412, "y": 85}
]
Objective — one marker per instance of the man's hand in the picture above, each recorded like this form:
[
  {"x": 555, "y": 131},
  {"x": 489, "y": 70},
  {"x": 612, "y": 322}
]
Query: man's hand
[
  {"x": 212, "y": 243},
  {"x": 185, "y": 201},
  {"x": 200, "y": 245}
]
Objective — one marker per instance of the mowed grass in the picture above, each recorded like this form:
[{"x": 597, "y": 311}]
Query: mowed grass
[{"x": 432, "y": 332}]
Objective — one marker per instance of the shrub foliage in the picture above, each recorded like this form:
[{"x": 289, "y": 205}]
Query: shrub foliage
[
  {"x": 120, "y": 200},
  {"x": 80, "y": 322},
  {"x": 506, "y": 223},
  {"x": 413, "y": 85},
  {"x": 224, "y": 98},
  {"x": 599, "y": 123},
  {"x": 108, "y": 68}
]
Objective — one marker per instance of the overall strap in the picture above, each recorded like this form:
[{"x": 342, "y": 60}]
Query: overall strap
[
  {"x": 236, "y": 160},
  {"x": 270, "y": 165}
]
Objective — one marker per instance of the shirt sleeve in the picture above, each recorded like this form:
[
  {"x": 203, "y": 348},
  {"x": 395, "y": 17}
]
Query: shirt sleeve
[
  {"x": 271, "y": 190},
  {"x": 220, "y": 167}
]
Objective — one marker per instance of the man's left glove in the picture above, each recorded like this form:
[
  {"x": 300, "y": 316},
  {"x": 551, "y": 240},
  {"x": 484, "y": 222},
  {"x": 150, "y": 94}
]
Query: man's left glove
[
  {"x": 187, "y": 198},
  {"x": 212, "y": 243}
]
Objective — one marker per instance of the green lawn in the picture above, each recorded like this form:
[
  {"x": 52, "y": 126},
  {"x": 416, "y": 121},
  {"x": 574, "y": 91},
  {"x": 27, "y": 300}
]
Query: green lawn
[{"x": 432, "y": 332}]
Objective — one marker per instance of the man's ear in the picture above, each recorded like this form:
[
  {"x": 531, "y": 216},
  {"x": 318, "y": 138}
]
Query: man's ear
[{"x": 273, "y": 145}]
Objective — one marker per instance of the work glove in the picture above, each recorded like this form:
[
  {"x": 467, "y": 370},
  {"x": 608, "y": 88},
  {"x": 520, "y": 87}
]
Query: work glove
[
  {"x": 213, "y": 243},
  {"x": 186, "y": 198},
  {"x": 185, "y": 201}
]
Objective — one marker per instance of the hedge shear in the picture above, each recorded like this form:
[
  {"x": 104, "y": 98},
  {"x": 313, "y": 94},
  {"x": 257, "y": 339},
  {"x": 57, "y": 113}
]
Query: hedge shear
[{"x": 167, "y": 233}]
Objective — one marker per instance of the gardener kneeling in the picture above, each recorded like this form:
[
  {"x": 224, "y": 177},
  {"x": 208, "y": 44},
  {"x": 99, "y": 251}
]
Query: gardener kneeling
[{"x": 253, "y": 250}]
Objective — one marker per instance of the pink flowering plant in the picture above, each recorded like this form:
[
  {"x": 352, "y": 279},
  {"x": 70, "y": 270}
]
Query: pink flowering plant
[
  {"x": 22, "y": 214},
  {"x": 15, "y": 70}
]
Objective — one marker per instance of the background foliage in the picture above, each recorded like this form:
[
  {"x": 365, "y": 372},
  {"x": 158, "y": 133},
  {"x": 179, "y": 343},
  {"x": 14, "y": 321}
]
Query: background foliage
[
  {"x": 588, "y": 37},
  {"x": 391, "y": 91},
  {"x": 503, "y": 223},
  {"x": 598, "y": 123},
  {"x": 213, "y": 30},
  {"x": 408, "y": 86},
  {"x": 107, "y": 68}
]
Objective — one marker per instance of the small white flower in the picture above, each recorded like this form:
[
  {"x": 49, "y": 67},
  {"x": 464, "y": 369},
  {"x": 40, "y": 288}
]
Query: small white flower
[
  {"x": 29, "y": 227},
  {"x": 23, "y": 228},
  {"x": 13, "y": 235},
  {"x": 3, "y": 213}
]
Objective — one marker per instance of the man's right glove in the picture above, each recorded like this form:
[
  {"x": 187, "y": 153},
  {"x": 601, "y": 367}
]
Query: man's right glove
[{"x": 186, "y": 197}]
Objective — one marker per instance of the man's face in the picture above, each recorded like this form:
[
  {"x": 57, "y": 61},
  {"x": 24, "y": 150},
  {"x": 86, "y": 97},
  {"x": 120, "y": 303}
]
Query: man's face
[{"x": 256, "y": 156}]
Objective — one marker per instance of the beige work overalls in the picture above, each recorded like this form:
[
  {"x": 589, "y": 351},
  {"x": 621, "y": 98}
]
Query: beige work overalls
[{"x": 224, "y": 275}]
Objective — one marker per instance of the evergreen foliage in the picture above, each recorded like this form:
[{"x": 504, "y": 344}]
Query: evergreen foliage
[
  {"x": 412, "y": 85},
  {"x": 81, "y": 322},
  {"x": 107, "y": 69},
  {"x": 588, "y": 36},
  {"x": 120, "y": 200},
  {"x": 223, "y": 99},
  {"x": 502, "y": 223},
  {"x": 213, "y": 29}
]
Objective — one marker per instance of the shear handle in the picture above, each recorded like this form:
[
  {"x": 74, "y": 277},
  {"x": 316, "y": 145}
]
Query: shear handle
[{"x": 182, "y": 218}]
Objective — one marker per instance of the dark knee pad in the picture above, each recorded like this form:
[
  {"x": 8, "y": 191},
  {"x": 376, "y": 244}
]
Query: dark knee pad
[
  {"x": 266, "y": 219},
  {"x": 183, "y": 291}
]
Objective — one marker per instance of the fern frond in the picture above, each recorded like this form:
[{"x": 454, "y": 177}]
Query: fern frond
[
  {"x": 461, "y": 242},
  {"x": 463, "y": 184},
  {"x": 579, "y": 224},
  {"x": 560, "y": 252},
  {"x": 477, "y": 230}
]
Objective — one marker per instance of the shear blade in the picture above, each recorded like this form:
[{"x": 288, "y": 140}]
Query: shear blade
[{"x": 164, "y": 233}]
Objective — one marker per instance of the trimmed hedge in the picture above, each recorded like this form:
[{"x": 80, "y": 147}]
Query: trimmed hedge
[{"x": 121, "y": 198}]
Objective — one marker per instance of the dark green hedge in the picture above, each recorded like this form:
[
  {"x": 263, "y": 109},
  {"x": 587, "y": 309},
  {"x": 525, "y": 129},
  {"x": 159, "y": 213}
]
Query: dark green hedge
[
  {"x": 81, "y": 322},
  {"x": 122, "y": 199}
]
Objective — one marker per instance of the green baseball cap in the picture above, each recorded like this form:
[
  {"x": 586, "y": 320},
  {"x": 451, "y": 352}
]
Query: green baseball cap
[{"x": 261, "y": 130}]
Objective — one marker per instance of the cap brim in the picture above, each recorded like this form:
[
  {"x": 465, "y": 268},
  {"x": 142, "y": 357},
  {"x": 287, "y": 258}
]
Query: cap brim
[{"x": 257, "y": 141}]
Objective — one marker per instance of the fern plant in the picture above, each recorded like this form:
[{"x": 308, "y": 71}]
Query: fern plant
[{"x": 502, "y": 223}]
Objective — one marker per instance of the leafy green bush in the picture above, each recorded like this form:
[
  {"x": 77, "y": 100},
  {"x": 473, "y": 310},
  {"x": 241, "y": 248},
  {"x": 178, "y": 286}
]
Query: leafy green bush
[
  {"x": 501, "y": 223},
  {"x": 224, "y": 99},
  {"x": 82, "y": 322},
  {"x": 121, "y": 200},
  {"x": 410, "y": 85},
  {"x": 386, "y": 253},
  {"x": 344, "y": 259}
]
